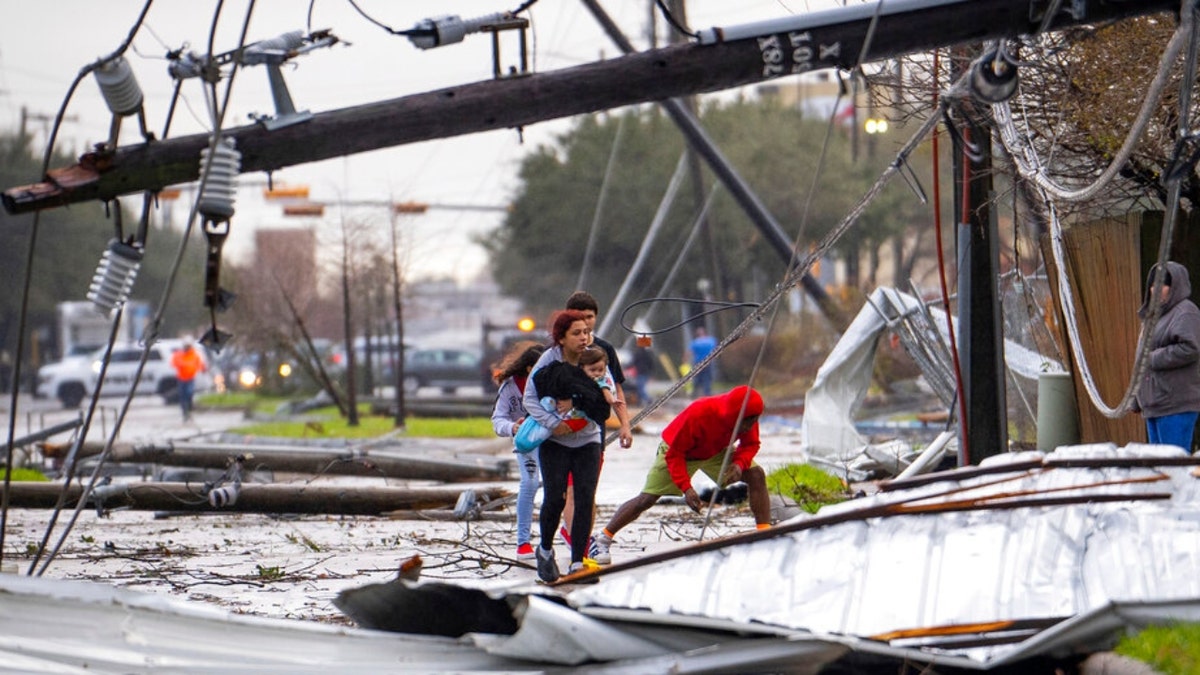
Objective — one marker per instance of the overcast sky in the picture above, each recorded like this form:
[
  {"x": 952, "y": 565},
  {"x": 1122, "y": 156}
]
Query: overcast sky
[{"x": 43, "y": 45}]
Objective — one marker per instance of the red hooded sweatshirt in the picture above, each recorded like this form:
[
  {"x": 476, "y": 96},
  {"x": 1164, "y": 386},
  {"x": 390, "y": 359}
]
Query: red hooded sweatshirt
[{"x": 704, "y": 428}]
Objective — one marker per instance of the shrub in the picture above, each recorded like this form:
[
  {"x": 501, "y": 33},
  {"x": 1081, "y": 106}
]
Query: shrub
[
  {"x": 810, "y": 487},
  {"x": 28, "y": 475},
  {"x": 1172, "y": 650}
]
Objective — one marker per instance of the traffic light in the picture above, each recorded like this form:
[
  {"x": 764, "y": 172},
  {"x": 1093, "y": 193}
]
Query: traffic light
[
  {"x": 298, "y": 192},
  {"x": 526, "y": 324},
  {"x": 304, "y": 210},
  {"x": 409, "y": 207}
]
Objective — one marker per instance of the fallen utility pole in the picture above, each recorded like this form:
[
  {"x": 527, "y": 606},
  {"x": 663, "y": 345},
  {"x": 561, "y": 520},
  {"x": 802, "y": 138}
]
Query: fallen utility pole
[
  {"x": 731, "y": 57},
  {"x": 312, "y": 461},
  {"x": 54, "y": 430},
  {"x": 251, "y": 498}
]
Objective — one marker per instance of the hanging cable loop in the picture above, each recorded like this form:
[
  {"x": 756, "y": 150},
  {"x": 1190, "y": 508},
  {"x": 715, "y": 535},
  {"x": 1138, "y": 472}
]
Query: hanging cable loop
[
  {"x": 970, "y": 149},
  {"x": 1031, "y": 169},
  {"x": 717, "y": 306}
]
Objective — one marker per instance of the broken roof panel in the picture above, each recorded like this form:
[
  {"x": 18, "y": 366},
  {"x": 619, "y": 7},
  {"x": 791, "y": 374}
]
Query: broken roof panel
[{"x": 1011, "y": 548}]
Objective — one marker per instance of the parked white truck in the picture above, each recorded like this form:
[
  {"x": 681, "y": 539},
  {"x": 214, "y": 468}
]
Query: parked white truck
[{"x": 82, "y": 331}]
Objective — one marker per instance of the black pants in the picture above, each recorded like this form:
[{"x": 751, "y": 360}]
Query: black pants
[{"x": 558, "y": 462}]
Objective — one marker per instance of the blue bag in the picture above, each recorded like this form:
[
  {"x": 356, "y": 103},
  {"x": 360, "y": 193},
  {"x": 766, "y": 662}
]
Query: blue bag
[{"x": 531, "y": 433}]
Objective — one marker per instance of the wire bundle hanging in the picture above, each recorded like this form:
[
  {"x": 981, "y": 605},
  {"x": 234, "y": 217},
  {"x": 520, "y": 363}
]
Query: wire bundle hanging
[{"x": 1031, "y": 169}]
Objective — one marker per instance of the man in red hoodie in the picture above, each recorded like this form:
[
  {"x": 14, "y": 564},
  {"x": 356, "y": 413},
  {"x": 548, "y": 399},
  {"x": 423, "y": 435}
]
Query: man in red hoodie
[{"x": 696, "y": 441}]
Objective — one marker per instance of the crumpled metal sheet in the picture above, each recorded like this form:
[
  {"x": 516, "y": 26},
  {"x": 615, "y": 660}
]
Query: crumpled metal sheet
[
  {"x": 827, "y": 432},
  {"x": 59, "y": 626},
  {"x": 978, "y": 556}
]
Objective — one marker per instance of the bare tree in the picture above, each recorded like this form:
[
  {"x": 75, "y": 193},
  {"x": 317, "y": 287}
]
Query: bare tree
[
  {"x": 1080, "y": 91},
  {"x": 284, "y": 262},
  {"x": 354, "y": 238}
]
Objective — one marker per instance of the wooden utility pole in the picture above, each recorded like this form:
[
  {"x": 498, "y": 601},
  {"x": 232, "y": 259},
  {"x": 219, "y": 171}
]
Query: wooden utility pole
[
  {"x": 45, "y": 119},
  {"x": 713, "y": 323},
  {"x": 984, "y": 432},
  {"x": 379, "y": 462},
  {"x": 252, "y": 498},
  {"x": 398, "y": 307},
  {"x": 348, "y": 331}
]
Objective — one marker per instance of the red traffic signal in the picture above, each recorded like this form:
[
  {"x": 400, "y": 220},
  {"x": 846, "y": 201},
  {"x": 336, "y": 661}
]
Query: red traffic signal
[
  {"x": 409, "y": 207},
  {"x": 304, "y": 210},
  {"x": 299, "y": 192}
]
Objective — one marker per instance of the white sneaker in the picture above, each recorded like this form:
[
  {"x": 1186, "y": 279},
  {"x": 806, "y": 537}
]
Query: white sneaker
[{"x": 598, "y": 551}]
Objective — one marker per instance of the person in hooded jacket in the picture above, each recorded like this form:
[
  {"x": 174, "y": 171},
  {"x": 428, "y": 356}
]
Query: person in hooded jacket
[
  {"x": 1169, "y": 395},
  {"x": 695, "y": 441}
]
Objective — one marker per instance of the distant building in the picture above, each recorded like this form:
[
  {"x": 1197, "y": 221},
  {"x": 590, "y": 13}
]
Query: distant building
[
  {"x": 814, "y": 94},
  {"x": 290, "y": 252},
  {"x": 453, "y": 313},
  {"x": 438, "y": 311}
]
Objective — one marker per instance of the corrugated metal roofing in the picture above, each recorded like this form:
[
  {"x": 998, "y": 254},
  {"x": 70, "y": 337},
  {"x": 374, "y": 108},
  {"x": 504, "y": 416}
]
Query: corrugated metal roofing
[
  {"x": 1019, "y": 544},
  {"x": 1028, "y": 555}
]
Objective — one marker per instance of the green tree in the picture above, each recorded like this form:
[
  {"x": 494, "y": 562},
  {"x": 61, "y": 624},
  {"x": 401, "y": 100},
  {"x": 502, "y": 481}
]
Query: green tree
[{"x": 538, "y": 251}]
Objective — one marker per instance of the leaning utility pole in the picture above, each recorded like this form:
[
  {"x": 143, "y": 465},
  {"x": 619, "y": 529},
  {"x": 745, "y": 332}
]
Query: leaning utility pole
[
  {"x": 722, "y": 59},
  {"x": 699, "y": 144},
  {"x": 714, "y": 322}
]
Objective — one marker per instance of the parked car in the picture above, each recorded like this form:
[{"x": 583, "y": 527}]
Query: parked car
[
  {"x": 384, "y": 354},
  {"x": 496, "y": 344},
  {"x": 448, "y": 369},
  {"x": 74, "y": 378},
  {"x": 274, "y": 370}
]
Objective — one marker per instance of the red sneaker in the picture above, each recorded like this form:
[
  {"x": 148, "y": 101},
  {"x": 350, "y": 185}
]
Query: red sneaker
[
  {"x": 565, "y": 534},
  {"x": 525, "y": 551}
]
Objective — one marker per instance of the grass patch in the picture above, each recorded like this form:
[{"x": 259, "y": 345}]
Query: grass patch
[
  {"x": 21, "y": 474},
  {"x": 240, "y": 400},
  {"x": 810, "y": 487},
  {"x": 450, "y": 427},
  {"x": 320, "y": 427},
  {"x": 1171, "y": 650},
  {"x": 269, "y": 573},
  {"x": 326, "y": 423}
]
